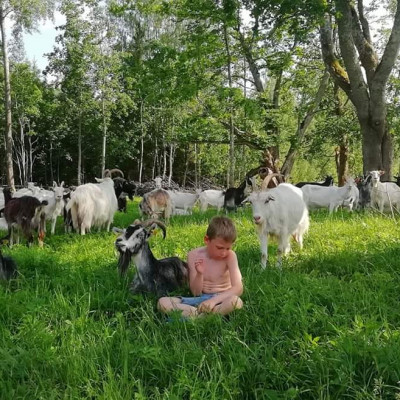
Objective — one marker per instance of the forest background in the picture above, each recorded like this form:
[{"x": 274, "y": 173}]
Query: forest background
[{"x": 188, "y": 89}]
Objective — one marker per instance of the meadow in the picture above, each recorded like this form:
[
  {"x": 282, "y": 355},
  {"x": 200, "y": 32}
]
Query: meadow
[{"x": 325, "y": 327}]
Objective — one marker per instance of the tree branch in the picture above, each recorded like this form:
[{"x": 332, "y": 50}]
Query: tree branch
[
  {"x": 391, "y": 52},
  {"x": 332, "y": 63}
]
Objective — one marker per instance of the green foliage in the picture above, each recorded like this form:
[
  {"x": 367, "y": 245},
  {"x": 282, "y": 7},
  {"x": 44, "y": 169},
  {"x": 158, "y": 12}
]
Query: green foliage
[{"x": 325, "y": 327}]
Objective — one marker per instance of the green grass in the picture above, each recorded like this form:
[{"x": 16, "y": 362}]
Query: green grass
[{"x": 326, "y": 327}]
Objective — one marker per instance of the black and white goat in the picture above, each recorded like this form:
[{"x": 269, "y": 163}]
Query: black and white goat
[
  {"x": 8, "y": 268},
  {"x": 123, "y": 188},
  {"x": 327, "y": 182},
  {"x": 152, "y": 275},
  {"x": 234, "y": 197}
]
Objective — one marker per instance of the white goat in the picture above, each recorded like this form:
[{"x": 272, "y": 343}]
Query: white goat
[
  {"x": 3, "y": 224},
  {"x": 384, "y": 195},
  {"x": 93, "y": 204},
  {"x": 353, "y": 201},
  {"x": 211, "y": 197},
  {"x": 1, "y": 199},
  {"x": 31, "y": 190},
  {"x": 158, "y": 182},
  {"x": 55, "y": 205},
  {"x": 281, "y": 212},
  {"x": 328, "y": 196},
  {"x": 182, "y": 202}
]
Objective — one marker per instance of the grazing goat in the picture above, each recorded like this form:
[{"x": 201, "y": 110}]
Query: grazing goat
[
  {"x": 156, "y": 203},
  {"x": 234, "y": 197},
  {"x": 182, "y": 202},
  {"x": 93, "y": 204},
  {"x": 282, "y": 212},
  {"x": 384, "y": 195},
  {"x": 152, "y": 275},
  {"x": 211, "y": 197},
  {"x": 25, "y": 212},
  {"x": 8, "y": 268},
  {"x": 328, "y": 196},
  {"x": 327, "y": 182}
]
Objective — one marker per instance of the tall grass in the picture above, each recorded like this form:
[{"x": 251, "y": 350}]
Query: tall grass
[{"x": 326, "y": 327}]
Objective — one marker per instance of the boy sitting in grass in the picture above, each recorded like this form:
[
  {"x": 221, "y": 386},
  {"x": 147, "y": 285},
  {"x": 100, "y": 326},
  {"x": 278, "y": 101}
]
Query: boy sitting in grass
[{"x": 214, "y": 276}]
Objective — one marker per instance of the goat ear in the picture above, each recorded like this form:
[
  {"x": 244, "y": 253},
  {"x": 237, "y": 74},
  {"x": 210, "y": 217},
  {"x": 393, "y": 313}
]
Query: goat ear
[
  {"x": 62, "y": 184},
  {"x": 118, "y": 230},
  {"x": 381, "y": 172},
  {"x": 54, "y": 184}
]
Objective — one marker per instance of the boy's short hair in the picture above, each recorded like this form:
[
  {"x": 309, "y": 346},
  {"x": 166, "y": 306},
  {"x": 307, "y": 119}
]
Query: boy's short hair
[{"x": 221, "y": 227}]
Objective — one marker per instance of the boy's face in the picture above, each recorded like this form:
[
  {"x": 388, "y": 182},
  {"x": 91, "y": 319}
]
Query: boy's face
[{"x": 217, "y": 248}]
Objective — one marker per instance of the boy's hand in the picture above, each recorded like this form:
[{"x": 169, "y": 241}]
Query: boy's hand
[
  {"x": 206, "y": 306},
  {"x": 199, "y": 265}
]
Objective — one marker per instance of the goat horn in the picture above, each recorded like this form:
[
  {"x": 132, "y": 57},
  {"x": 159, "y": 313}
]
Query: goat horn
[
  {"x": 116, "y": 170},
  {"x": 267, "y": 180},
  {"x": 149, "y": 222}
]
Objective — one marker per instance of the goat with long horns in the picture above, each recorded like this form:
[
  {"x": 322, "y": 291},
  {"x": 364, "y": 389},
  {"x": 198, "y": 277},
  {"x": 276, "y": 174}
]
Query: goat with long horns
[{"x": 152, "y": 275}]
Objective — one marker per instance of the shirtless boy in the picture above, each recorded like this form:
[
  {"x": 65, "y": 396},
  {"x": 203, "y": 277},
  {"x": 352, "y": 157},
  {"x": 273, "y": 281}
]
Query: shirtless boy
[{"x": 214, "y": 276}]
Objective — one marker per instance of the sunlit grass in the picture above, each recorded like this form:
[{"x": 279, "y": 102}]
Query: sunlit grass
[{"x": 326, "y": 327}]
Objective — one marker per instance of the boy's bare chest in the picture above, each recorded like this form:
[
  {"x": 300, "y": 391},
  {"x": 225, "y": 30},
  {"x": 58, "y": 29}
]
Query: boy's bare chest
[{"x": 215, "y": 270}]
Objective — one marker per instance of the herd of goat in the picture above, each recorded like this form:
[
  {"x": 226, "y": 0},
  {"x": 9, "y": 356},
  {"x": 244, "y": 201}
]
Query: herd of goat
[{"x": 279, "y": 209}]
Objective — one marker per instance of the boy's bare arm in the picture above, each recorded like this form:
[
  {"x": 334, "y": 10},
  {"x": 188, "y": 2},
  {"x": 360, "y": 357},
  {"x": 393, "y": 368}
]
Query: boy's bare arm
[{"x": 196, "y": 270}]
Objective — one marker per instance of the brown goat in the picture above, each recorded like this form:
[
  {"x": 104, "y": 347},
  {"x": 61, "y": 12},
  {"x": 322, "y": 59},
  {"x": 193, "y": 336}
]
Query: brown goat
[
  {"x": 156, "y": 203},
  {"x": 25, "y": 212}
]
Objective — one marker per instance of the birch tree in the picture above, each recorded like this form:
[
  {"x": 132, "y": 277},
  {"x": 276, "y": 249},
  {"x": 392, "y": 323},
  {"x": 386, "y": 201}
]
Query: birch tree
[{"x": 24, "y": 14}]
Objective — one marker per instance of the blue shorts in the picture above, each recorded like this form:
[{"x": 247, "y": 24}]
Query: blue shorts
[{"x": 195, "y": 301}]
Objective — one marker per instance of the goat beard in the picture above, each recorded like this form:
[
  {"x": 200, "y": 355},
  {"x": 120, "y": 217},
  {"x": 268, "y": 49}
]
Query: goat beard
[{"x": 124, "y": 261}]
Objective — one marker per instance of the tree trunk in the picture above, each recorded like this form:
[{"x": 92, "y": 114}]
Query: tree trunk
[
  {"x": 103, "y": 151},
  {"x": 365, "y": 89},
  {"x": 187, "y": 155},
  {"x": 7, "y": 104},
  {"x": 79, "y": 149},
  {"x": 153, "y": 175},
  {"x": 171, "y": 162},
  {"x": 51, "y": 162},
  {"x": 30, "y": 174},
  {"x": 141, "y": 142},
  {"x": 231, "y": 171},
  {"x": 196, "y": 174},
  {"x": 341, "y": 160}
]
